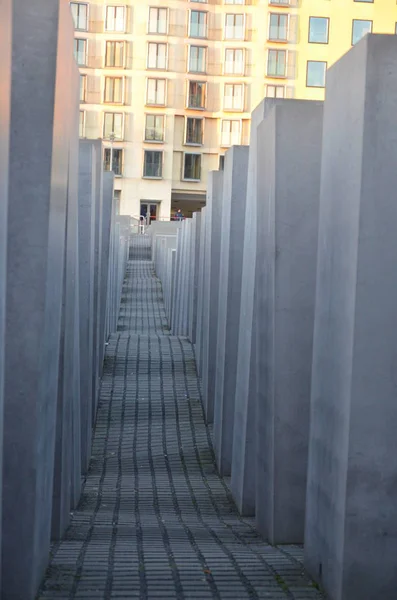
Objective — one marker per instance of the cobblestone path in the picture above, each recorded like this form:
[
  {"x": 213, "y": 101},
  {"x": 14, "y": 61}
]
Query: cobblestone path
[{"x": 155, "y": 520}]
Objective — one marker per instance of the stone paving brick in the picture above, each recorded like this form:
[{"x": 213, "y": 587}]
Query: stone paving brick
[{"x": 155, "y": 520}]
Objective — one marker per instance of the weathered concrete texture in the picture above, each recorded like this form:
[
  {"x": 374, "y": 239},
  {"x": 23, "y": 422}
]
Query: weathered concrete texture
[
  {"x": 211, "y": 290},
  {"x": 5, "y": 77},
  {"x": 107, "y": 208},
  {"x": 68, "y": 446},
  {"x": 351, "y": 510},
  {"x": 200, "y": 294},
  {"x": 289, "y": 144},
  {"x": 87, "y": 198},
  {"x": 39, "y": 145},
  {"x": 230, "y": 276},
  {"x": 194, "y": 280}
]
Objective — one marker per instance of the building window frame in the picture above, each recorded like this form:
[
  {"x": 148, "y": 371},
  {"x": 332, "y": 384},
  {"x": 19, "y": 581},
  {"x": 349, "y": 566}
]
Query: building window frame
[
  {"x": 154, "y": 140},
  {"x": 242, "y": 96},
  {"x": 120, "y": 29},
  {"x": 158, "y": 9},
  {"x": 190, "y": 105},
  {"x": 112, "y": 77},
  {"x": 276, "y": 87},
  {"x": 323, "y": 62},
  {"x": 83, "y": 88},
  {"x": 123, "y": 43},
  {"x": 184, "y": 166},
  {"x": 76, "y": 20},
  {"x": 327, "y": 19},
  {"x": 205, "y": 50},
  {"x": 201, "y": 120},
  {"x": 281, "y": 40},
  {"x": 360, "y": 21},
  {"x": 157, "y": 68},
  {"x": 109, "y": 160},
  {"x": 156, "y": 79},
  {"x": 234, "y": 27},
  {"x": 281, "y": 52},
  {"x": 231, "y": 142},
  {"x": 234, "y": 62},
  {"x": 146, "y": 153},
  {"x": 82, "y": 120},
  {"x": 78, "y": 52},
  {"x": 113, "y": 115},
  {"x": 206, "y": 17}
]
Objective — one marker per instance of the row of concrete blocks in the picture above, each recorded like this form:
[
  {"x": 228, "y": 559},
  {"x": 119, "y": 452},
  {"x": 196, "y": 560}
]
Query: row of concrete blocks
[
  {"x": 296, "y": 324},
  {"x": 62, "y": 257}
]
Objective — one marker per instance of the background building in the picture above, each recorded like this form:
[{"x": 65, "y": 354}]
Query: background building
[{"x": 170, "y": 84}]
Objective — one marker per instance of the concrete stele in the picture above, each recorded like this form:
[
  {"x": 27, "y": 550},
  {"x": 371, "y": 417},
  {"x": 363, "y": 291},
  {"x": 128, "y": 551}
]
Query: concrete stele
[
  {"x": 351, "y": 511},
  {"x": 230, "y": 276},
  {"x": 289, "y": 144}
]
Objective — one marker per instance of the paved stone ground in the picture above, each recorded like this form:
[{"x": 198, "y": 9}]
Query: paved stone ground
[{"x": 155, "y": 520}]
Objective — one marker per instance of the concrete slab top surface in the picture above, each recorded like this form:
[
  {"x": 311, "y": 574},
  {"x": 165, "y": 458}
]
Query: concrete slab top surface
[{"x": 155, "y": 520}]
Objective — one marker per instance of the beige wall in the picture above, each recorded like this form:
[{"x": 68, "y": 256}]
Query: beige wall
[{"x": 134, "y": 188}]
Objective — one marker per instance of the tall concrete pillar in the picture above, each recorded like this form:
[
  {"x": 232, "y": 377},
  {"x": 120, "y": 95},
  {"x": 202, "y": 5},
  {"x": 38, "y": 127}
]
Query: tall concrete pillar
[
  {"x": 211, "y": 290},
  {"x": 107, "y": 208},
  {"x": 200, "y": 293},
  {"x": 39, "y": 147},
  {"x": 351, "y": 511},
  {"x": 289, "y": 144},
  {"x": 230, "y": 277},
  {"x": 87, "y": 197},
  {"x": 67, "y": 465},
  {"x": 5, "y": 117},
  {"x": 194, "y": 280}
]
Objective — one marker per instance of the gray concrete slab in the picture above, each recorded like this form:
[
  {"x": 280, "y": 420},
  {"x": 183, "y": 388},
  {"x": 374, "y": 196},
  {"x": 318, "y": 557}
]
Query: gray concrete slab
[
  {"x": 87, "y": 196},
  {"x": 5, "y": 118},
  {"x": 107, "y": 207},
  {"x": 38, "y": 186},
  {"x": 289, "y": 144},
  {"x": 244, "y": 442},
  {"x": 351, "y": 511},
  {"x": 200, "y": 293},
  {"x": 194, "y": 282},
  {"x": 230, "y": 277},
  {"x": 211, "y": 290}
]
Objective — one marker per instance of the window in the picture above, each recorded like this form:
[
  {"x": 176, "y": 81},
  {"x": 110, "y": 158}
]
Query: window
[
  {"x": 234, "y": 96},
  {"x": 117, "y": 200},
  {"x": 80, "y": 52},
  {"x": 114, "y": 54},
  {"x": 114, "y": 90},
  {"x": 277, "y": 63},
  {"x": 318, "y": 30},
  {"x": 196, "y": 94},
  {"x": 231, "y": 133},
  {"x": 113, "y": 160},
  {"x": 153, "y": 164},
  {"x": 316, "y": 73},
  {"x": 192, "y": 167},
  {"x": 234, "y": 1},
  {"x": 234, "y": 27},
  {"x": 198, "y": 24},
  {"x": 234, "y": 61},
  {"x": 194, "y": 131},
  {"x": 201, "y": 1},
  {"x": 363, "y": 1},
  {"x": 278, "y": 27},
  {"x": 79, "y": 13},
  {"x": 275, "y": 91},
  {"x": 155, "y": 92},
  {"x": 113, "y": 125},
  {"x": 115, "y": 18},
  {"x": 82, "y": 124},
  {"x": 157, "y": 56},
  {"x": 83, "y": 87},
  {"x": 157, "y": 20},
  {"x": 360, "y": 29},
  {"x": 154, "y": 130},
  {"x": 280, "y": 2},
  {"x": 197, "y": 59}
]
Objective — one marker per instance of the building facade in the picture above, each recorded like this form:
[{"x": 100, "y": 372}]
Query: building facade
[{"x": 170, "y": 84}]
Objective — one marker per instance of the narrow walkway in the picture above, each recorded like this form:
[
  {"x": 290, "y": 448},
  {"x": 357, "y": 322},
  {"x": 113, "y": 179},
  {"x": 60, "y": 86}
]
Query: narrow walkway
[{"x": 155, "y": 520}]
